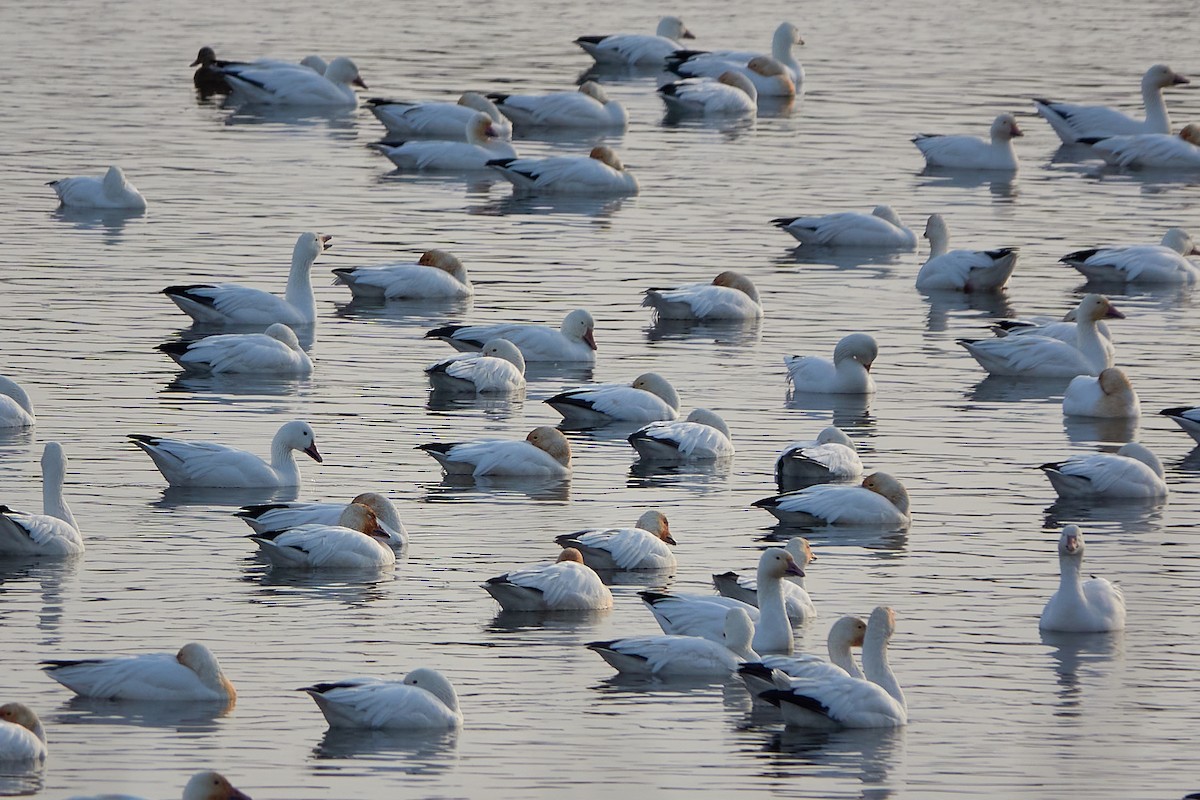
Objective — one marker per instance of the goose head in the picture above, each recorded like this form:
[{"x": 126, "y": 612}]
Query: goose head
[
  {"x": 801, "y": 550},
  {"x": 594, "y": 91},
  {"x": 1113, "y": 381},
  {"x": 569, "y": 554},
  {"x": 552, "y": 441},
  {"x": 308, "y": 247},
  {"x": 480, "y": 103},
  {"x": 702, "y": 416},
  {"x": 1178, "y": 239},
  {"x": 446, "y": 262},
  {"x": 435, "y": 683},
  {"x": 1190, "y": 133},
  {"x": 658, "y": 386},
  {"x": 606, "y": 155},
  {"x": 282, "y": 333},
  {"x": 54, "y": 462},
  {"x": 343, "y": 70},
  {"x": 209, "y": 785},
  {"x": 739, "y": 630},
  {"x": 23, "y": 715},
  {"x": 297, "y": 435},
  {"x": 832, "y": 434},
  {"x": 1096, "y": 306},
  {"x": 936, "y": 231},
  {"x": 1161, "y": 76},
  {"x": 655, "y": 523},
  {"x": 888, "y": 488},
  {"x": 481, "y": 130},
  {"x": 200, "y": 660},
  {"x": 205, "y": 57},
  {"x": 847, "y": 632},
  {"x": 361, "y": 517},
  {"x": 673, "y": 28},
  {"x": 384, "y": 509},
  {"x": 786, "y": 36},
  {"x": 1139, "y": 452},
  {"x": 503, "y": 348},
  {"x": 775, "y": 562},
  {"x": 579, "y": 326},
  {"x": 860, "y": 347},
  {"x": 736, "y": 280},
  {"x": 739, "y": 81},
  {"x": 1070, "y": 542},
  {"x": 114, "y": 179},
  {"x": 887, "y": 213},
  {"x": 882, "y": 623},
  {"x": 315, "y": 63},
  {"x": 1005, "y": 127}
]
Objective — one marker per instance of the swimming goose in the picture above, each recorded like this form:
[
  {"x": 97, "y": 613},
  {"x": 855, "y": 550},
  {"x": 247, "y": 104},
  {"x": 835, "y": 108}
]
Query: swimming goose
[
  {"x": 54, "y": 532},
  {"x": 283, "y": 516},
  {"x": 544, "y": 453},
  {"x": 589, "y": 108},
  {"x": 680, "y": 656},
  {"x": 730, "y": 94},
  {"x": 563, "y": 585},
  {"x": 192, "y": 674},
  {"x": 599, "y": 173},
  {"x": 111, "y": 191},
  {"x": 435, "y": 275},
  {"x": 880, "y": 500},
  {"x": 647, "y": 545},
  {"x": 209, "y": 78},
  {"x": 798, "y": 604},
  {"x": 1109, "y": 395},
  {"x": 962, "y": 270},
  {"x": 296, "y": 87},
  {"x": 1075, "y": 122},
  {"x": 730, "y": 295},
  {"x": 1165, "y": 262},
  {"x": 1131, "y": 472},
  {"x": 846, "y": 633},
  {"x": 217, "y": 465},
  {"x": 879, "y": 230},
  {"x": 649, "y": 398},
  {"x": 703, "y": 436},
  {"x": 483, "y": 145},
  {"x": 497, "y": 369},
  {"x": 357, "y": 541},
  {"x": 22, "y": 737},
  {"x": 830, "y": 457},
  {"x": 1152, "y": 150},
  {"x": 16, "y": 409},
  {"x": 968, "y": 152},
  {"x": 1186, "y": 417},
  {"x": 574, "y": 340},
  {"x": 1079, "y": 606},
  {"x": 637, "y": 49},
  {"x": 848, "y": 373},
  {"x": 700, "y": 63},
  {"x": 234, "y": 304},
  {"x": 275, "y": 351},
  {"x": 405, "y": 120},
  {"x": 424, "y": 700},
  {"x": 206, "y": 785}
]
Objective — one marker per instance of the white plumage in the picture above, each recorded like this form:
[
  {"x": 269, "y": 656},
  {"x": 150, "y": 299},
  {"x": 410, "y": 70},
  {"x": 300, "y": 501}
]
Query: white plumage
[
  {"x": 848, "y": 373},
  {"x": 879, "y": 230},
  {"x": 730, "y": 295},
  {"x": 483, "y": 144},
  {"x": 1079, "y": 606},
  {"x": 637, "y": 49},
  {"x": 1186, "y": 417},
  {"x": 703, "y": 436},
  {"x": 53, "y": 533},
  {"x": 845, "y": 634},
  {"x": 436, "y": 120},
  {"x": 275, "y": 351},
  {"x": 729, "y": 95},
  {"x": 962, "y": 270},
  {"x": 563, "y": 585},
  {"x": 1131, "y": 472},
  {"x": 356, "y": 542},
  {"x": 1109, "y": 395},
  {"x": 499, "y": 368},
  {"x": 647, "y": 545},
  {"x": 1152, "y": 150},
  {"x": 283, "y": 516},
  {"x": 881, "y": 500},
  {"x": 424, "y": 700},
  {"x": 544, "y": 453},
  {"x": 599, "y": 173},
  {"x": 574, "y": 340},
  {"x": 589, "y": 108},
  {"x": 830, "y": 457},
  {"x": 798, "y": 605},
  {"x": 298, "y": 86},
  {"x": 649, "y": 398},
  {"x": 206, "y": 785},
  {"x": 1144, "y": 263},
  {"x": 1075, "y": 122},
  {"x": 436, "y": 275},
  {"x": 192, "y": 674},
  {"x": 112, "y": 191},
  {"x": 21, "y": 735},
  {"x": 695, "y": 64},
  {"x": 16, "y": 409},
  {"x": 683, "y": 656},
  {"x": 968, "y": 152}
]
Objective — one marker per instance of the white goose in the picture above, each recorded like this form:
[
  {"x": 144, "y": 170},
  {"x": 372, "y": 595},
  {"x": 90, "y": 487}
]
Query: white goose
[
  {"x": 880, "y": 500},
  {"x": 499, "y": 368},
  {"x": 52, "y": 533},
  {"x": 283, "y": 516},
  {"x": 1079, "y": 606},
  {"x": 217, "y": 465},
  {"x": 544, "y": 453},
  {"x": 1186, "y": 417},
  {"x": 695, "y": 64},
  {"x": 1152, "y": 150},
  {"x": 703, "y": 436},
  {"x": 1075, "y": 122},
  {"x": 574, "y": 340},
  {"x": 683, "y": 656},
  {"x": 1166, "y": 262},
  {"x": 846, "y": 633},
  {"x": 879, "y": 230},
  {"x": 192, "y": 674},
  {"x": 848, "y": 373},
  {"x": 730, "y": 295},
  {"x": 968, "y": 152},
  {"x": 731, "y": 94},
  {"x": 647, "y": 545},
  {"x": 962, "y": 270},
  {"x": 22, "y": 737},
  {"x": 296, "y": 87},
  {"x": 206, "y": 785},
  {"x": 798, "y": 604},
  {"x": 112, "y": 191},
  {"x": 16, "y": 409},
  {"x": 275, "y": 351},
  {"x": 830, "y": 457},
  {"x": 435, "y": 275},
  {"x": 424, "y": 700},
  {"x": 405, "y": 120},
  {"x": 649, "y": 398},
  {"x": 483, "y": 144},
  {"x": 599, "y": 173},
  {"x": 563, "y": 585},
  {"x": 357, "y": 541},
  {"x": 234, "y": 304},
  {"x": 637, "y": 49},
  {"x": 588, "y": 108},
  {"x": 1131, "y": 472},
  {"x": 704, "y": 615},
  {"x": 1109, "y": 395},
  {"x": 840, "y": 701}
]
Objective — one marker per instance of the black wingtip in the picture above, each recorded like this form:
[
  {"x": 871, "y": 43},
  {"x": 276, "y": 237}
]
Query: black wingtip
[
  {"x": 652, "y": 597},
  {"x": 783, "y": 222},
  {"x": 174, "y": 348},
  {"x": 1176, "y": 411},
  {"x": 142, "y": 439},
  {"x": 500, "y": 162},
  {"x": 436, "y": 447},
  {"x": 580, "y": 40},
  {"x": 767, "y": 502}
]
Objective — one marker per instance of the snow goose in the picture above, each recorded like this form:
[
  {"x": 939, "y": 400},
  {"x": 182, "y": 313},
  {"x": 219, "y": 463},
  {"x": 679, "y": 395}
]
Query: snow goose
[
  {"x": 830, "y": 457},
  {"x": 192, "y": 674},
  {"x": 574, "y": 340},
  {"x": 731, "y": 295},
  {"x": 209, "y": 78},
  {"x": 840, "y": 701},
  {"x": 704, "y": 615},
  {"x": 879, "y": 230},
  {"x": 848, "y": 373},
  {"x": 962, "y": 270},
  {"x": 1166, "y": 262},
  {"x": 544, "y": 453},
  {"x": 968, "y": 152},
  {"x": 683, "y": 656},
  {"x": 1074, "y": 122},
  {"x": 703, "y": 436},
  {"x": 1109, "y": 395},
  {"x": 1079, "y": 606},
  {"x": 436, "y": 275},
  {"x": 769, "y": 77},
  {"x": 647, "y": 545},
  {"x": 437, "y": 120},
  {"x": 650, "y": 398},
  {"x": 497, "y": 369},
  {"x": 111, "y": 191},
  {"x": 846, "y": 633},
  {"x": 216, "y": 465},
  {"x": 1035, "y": 356},
  {"x": 54, "y": 532},
  {"x": 21, "y": 735},
  {"x": 1152, "y": 150},
  {"x": 234, "y": 304},
  {"x": 798, "y": 604},
  {"x": 357, "y": 541},
  {"x": 599, "y": 173},
  {"x": 16, "y": 409},
  {"x": 283, "y": 516},
  {"x": 483, "y": 145},
  {"x": 207, "y": 785},
  {"x": 1131, "y": 472},
  {"x": 637, "y": 49},
  {"x": 1186, "y": 417},
  {"x": 424, "y": 700},
  {"x": 589, "y": 108},
  {"x": 730, "y": 94},
  {"x": 296, "y": 87},
  {"x": 275, "y": 351},
  {"x": 563, "y": 585},
  {"x": 880, "y": 500},
  {"x": 699, "y": 63}
]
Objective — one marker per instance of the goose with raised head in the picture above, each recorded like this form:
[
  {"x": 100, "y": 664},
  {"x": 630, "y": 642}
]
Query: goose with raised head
[
  {"x": 601, "y": 172},
  {"x": 296, "y": 87},
  {"x": 192, "y": 674},
  {"x": 588, "y": 108},
  {"x": 357, "y": 541},
  {"x": 54, "y": 532},
  {"x": 830, "y": 457},
  {"x": 845, "y": 634},
  {"x": 649, "y": 398},
  {"x": 683, "y": 656},
  {"x": 1166, "y": 262},
  {"x": 435, "y": 275},
  {"x": 729, "y": 296},
  {"x": 499, "y": 368},
  {"x": 637, "y": 49},
  {"x": 266, "y": 517},
  {"x": 647, "y": 545},
  {"x": 880, "y": 500},
  {"x": 111, "y": 191},
  {"x": 16, "y": 409},
  {"x": 424, "y": 700},
  {"x": 1109, "y": 395},
  {"x": 1131, "y": 472},
  {"x": 574, "y": 340},
  {"x": 1079, "y": 606},
  {"x": 730, "y": 94},
  {"x": 216, "y": 465},
  {"x": 275, "y": 351},
  {"x": 798, "y": 604},
  {"x": 879, "y": 230},
  {"x": 437, "y": 120},
  {"x": 962, "y": 270},
  {"x": 22, "y": 737},
  {"x": 234, "y": 304},
  {"x": 544, "y": 453},
  {"x": 848, "y": 373},
  {"x": 566, "y": 584},
  {"x": 1075, "y": 122},
  {"x": 703, "y": 436},
  {"x": 1152, "y": 150},
  {"x": 483, "y": 145},
  {"x": 701, "y": 63},
  {"x": 969, "y": 152}
]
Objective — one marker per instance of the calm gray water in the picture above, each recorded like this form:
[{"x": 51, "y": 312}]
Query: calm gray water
[{"x": 996, "y": 710}]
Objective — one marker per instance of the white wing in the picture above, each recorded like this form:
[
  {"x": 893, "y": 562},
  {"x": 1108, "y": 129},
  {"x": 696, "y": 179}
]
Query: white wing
[
  {"x": 241, "y": 304},
  {"x": 713, "y": 302},
  {"x": 690, "y": 439},
  {"x": 28, "y": 534},
  {"x": 445, "y": 155},
  {"x": 837, "y": 459},
  {"x": 694, "y": 615},
  {"x": 845, "y": 505},
  {"x": 402, "y": 281},
  {"x": 207, "y": 464},
  {"x": 438, "y": 120},
  {"x": 1031, "y": 355},
  {"x": 300, "y": 86},
  {"x": 382, "y": 704},
  {"x": 1091, "y": 121},
  {"x": 848, "y": 229},
  {"x": 1149, "y": 151},
  {"x": 245, "y": 352},
  {"x": 18, "y": 743},
  {"x": 967, "y": 269},
  {"x": 316, "y": 546},
  {"x": 155, "y": 676},
  {"x": 631, "y": 48},
  {"x": 849, "y": 702},
  {"x": 675, "y": 655},
  {"x": 565, "y": 585},
  {"x": 630, "y": 548},
  {"x": 617, "y": 400},
  {"x": 557, "y": 109},
  {"x": 1109, "y": 472}
]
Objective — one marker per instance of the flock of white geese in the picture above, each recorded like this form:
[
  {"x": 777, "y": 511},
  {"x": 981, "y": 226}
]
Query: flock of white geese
[{"x": 747, "y": 628}]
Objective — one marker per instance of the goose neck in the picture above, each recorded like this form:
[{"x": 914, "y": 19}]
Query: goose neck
[
  {"x": 1157, "y": 118},
  {"x": 876, "y": 667},
  {"x": 299, "y": 286}
]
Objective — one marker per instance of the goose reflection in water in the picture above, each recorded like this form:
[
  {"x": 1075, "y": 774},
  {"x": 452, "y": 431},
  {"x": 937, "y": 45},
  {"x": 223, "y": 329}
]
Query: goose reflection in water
[
  {"x": 493, "y": 406},
  {"x": 22, "y": 778},
  {"x": 1128, "y": 515},
  {"x": 421, "y": 752},
  {"x": 16, "y": 574},
  {"x": 850, "y": 411},
  {"x": 193, "y": 717},
  {"x": 111, "y": 221},
  {"x": 1003, "y": 186},
  {"x": 542, "y": 205},
  {"x": 868, "y": 757},
  {"x": 349, "y": 587},
  {"x": 457, "y": 488},
  {"x": 1097, "y": 430},
  {"x": 1079, "y": 659},
  {"x": 944, "y": 303},
  {"x": 732, "y": 332},
  {"x": 561, "y": 621},
  {"x": 893, "y": 540},
  {"x": 417, "y": 314}
]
